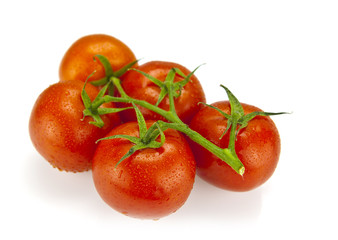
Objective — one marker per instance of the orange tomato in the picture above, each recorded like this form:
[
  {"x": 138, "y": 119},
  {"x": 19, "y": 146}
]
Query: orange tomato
[{"x": 78, "y": 62}]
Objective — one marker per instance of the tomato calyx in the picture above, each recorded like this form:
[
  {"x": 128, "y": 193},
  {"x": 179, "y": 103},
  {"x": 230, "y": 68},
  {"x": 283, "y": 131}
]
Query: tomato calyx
[
  {"x": 92, "y": 108},
  {"x": 110, "y": 73},
  {"x": 237, "y": 120},
  {"x": 176, "y": 87},
  {"x": 147, "y": 138}
]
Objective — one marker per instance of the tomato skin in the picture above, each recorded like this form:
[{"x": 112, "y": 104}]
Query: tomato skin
[
  {"x": 78, "y": 62},
  {"x": 150, "y": 184},
  {"x": 257, "y": 146},
  {"x": 140, "y": 87},
  {"x": 57, "y": 131}
]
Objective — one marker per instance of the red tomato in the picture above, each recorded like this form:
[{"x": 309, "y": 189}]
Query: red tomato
[
  {"x": 140, "y": 87},
  {"x": 78, "y": 62},
  {"x": 57, "y": 131},
  {"x": 257, "y": 146},
  {"x": 151, "y": 183}
]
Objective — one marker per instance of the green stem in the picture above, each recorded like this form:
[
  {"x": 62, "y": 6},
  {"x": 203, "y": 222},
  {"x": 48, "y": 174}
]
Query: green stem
[
  {"x": 227, "y": 155},
  {"x": 98, "y": 103},
  {"x": 117, "y": 82},
  {"x": 169, "y": 115},
  {"x": 151, "y": 133},
  {"x": 171, "y": 101},
  {"x": 232, "y": 137}
]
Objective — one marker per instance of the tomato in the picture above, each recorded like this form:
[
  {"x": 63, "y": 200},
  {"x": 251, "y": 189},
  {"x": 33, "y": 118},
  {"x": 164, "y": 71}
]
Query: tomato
[
  {"x": 140, "y": 87},
  {"x": 57, "y": 130},
  {"x": 78, "y": 62},
  {"x": 257, "y": 146},
  {"x": 151, "y": 183}
]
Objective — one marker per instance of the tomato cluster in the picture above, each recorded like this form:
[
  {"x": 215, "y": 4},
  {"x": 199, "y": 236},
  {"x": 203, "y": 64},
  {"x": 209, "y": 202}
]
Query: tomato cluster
[{"x": 157, "y": 173}]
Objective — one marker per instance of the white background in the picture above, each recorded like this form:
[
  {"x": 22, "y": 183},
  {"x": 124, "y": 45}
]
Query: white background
[{"x": 277, "y": 55}]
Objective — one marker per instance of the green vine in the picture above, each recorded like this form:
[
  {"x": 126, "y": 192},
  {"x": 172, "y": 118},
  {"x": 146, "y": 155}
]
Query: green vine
[{"x": 172, "y": 90}]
